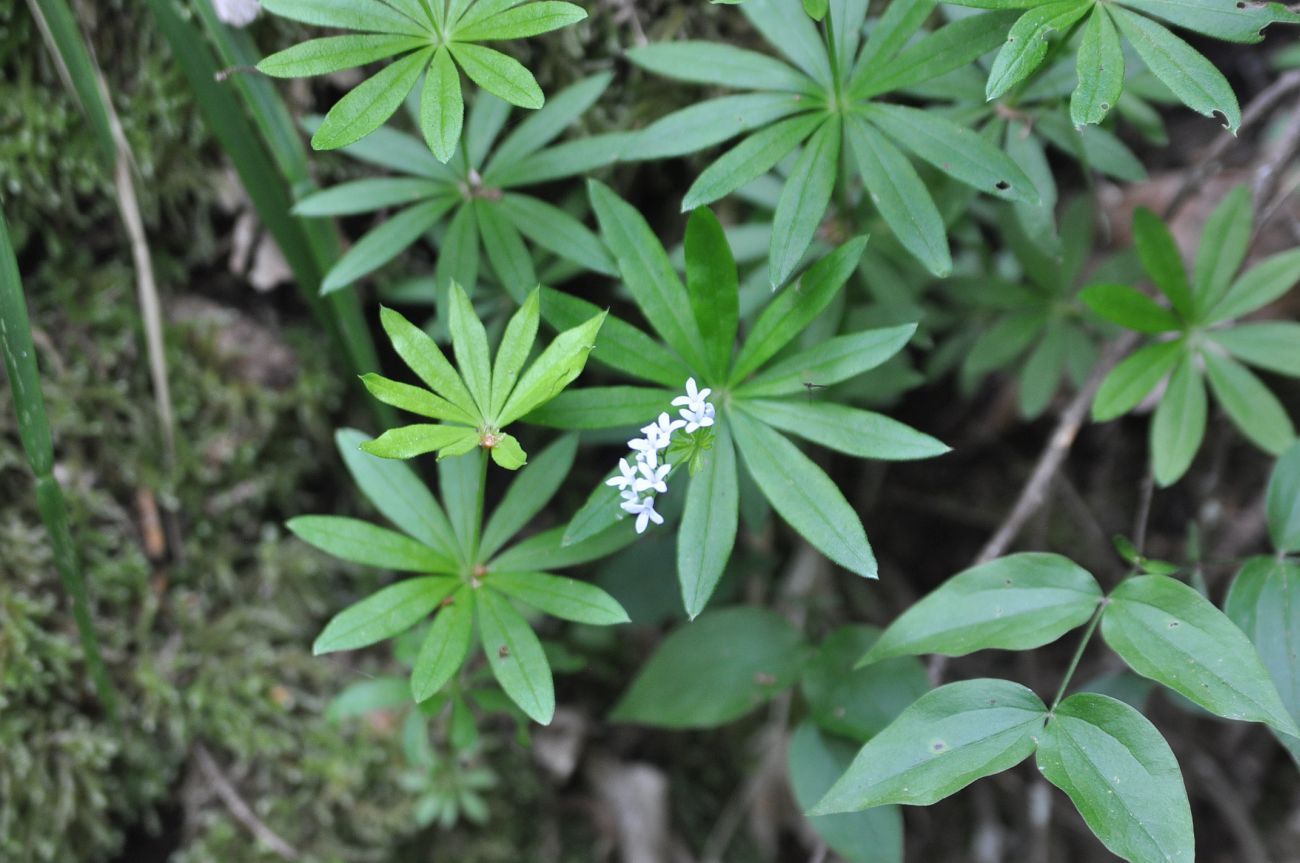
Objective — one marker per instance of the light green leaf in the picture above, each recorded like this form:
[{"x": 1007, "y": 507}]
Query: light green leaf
[
  {"x": 816, "y": 761},
  {"x": 367, "y": 544},
  {"x": 469, "y": 342},
  {"x": 859, "y": 702},
  {"x": 1223, "y": 246},
  {"x": 828, "y": 362},
  {"x": 422, "y": 354},
  {"x": 625, "y": 347},
  {"x": 1179, "y": 424},
  {"x": 750, "y": 159},
  {"x": 946, "y": 740},
  {"x": 565, "y": 598},
  {"x": 793, "y": 309},
  {"x": 507, "y": 452},
  {"x": 382, "y": 615},
  {"x": 445, "y": 646},
  {"x": 1284, "y": 502},
  {"x": 516, "y": 345},
  {"x": 1017, "y": 602},
  {"x": 370, "y": 103},
  {"x": 409, "y": 441},
  {"x": 1259, "y": 286},
  {"x": 528, "y": 493},
  {"x": 720, "y": 64},
  {"x": 442, "y": 107},
  {"x": 347, "y": 15},
  {"x": 501, "y": 75},
  {"x": 785, "y": 26},
  {"x": 523, "y": 21},
  {"x": 566, "y": 159},
  {"x": 398, "y": 494},
  {"x": 708, "y": 529},
  {"x": 1162, "y": 260},
  {"x": 954, "y": 150},
  {"x": 648, "y": 273},
  {"x": 366, "y": 196},
  {"x": 803, "y": 495},
  {"x": 860, "y": 433},
  {"x": 1183, "y": 69},
  {"x": 804, "y": 200},
  {"x": 901, "y": 198},
  {"x": 1027, "y": 43},
  {"x": 1100, "y": 66},
  {"x": 1130, "y": 381},
  {"x": 714, "y": 287},
  {"x": 950, "y": 47},
  {"x": 1168, "y": 632},
  {"x": 542, "y": 127},
  {"x": 1130, "y": 308},
  {"x": 417, "y": 400},
  {"x": 334, "y": 53},
  {"x": 561, "y": 362},
  {"x": 516, "y": 656},
  {"x": 382, "y": 244},
  {"x": 1254, "y": 410},
  {"x": 714, "y": 670}
]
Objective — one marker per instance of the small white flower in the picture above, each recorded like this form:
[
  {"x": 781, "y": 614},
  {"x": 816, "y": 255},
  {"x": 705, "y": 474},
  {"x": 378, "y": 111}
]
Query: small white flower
[
  {"x": 645, "y": 450},
  {"x": 644, "y": 510},
  {"x": 628, "y": 476},
  {"x": 698, "y": 419},
  {"x": 237, "y": 13},
  {"x": 652, "y": 478},
  {"x": 660, "y": 432},
  {"x": 694, "y": 398}
]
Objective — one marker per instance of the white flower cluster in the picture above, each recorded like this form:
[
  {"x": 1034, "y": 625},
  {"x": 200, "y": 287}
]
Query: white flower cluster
[{"x": 647, "y": 476}]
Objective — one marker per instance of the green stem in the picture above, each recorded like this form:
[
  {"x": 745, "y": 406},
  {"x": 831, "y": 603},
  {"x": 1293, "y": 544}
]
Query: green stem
[
  {"x": 477, "y": 528},
  {"x": 1078, "y": 653},
  {"x": 834, "y": 58}
]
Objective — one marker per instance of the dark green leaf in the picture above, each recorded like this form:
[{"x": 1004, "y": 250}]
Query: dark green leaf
[
  {"x": 520, "y": 22},
  {"x": 603, "y": 407},
  {"x": 860, "y": 433},
  {"x": 528, "y": 493},
  {"x": 382, "y": 244},
  {"x": 516, "y": 656},
  {"x": 368, "y": 544},
  {"x": 335, "y": 53},
  {"x": 1252, "y": 408},
  {"x": 859, "y": 702},
  {"x": 828, "y": 362},
  {"x": 1265, "y": 602},
  {"x": 559, "y": 233},
  {"x": 804, "y": 200},
  {"x": 750, "y": 159},
  {"x": 382, "y": 615},
  {"x": 442, "y": 108},
  {"x": 1100, "y": 66},
  {"x": 708, "y": 529},
  {"x": 1284, "y": 502},
  {"x": 720, "y": 64},
  {"x": 1179, "y": 424},
  {"x": 1027, "y": 43},
  {"x": 713, "y": 286},
  {"x": 1162, "y": 260},
  {"x": 624, "y": 347}
]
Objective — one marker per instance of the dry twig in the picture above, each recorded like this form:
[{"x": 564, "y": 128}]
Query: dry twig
[{"x": 241, "y": 811}]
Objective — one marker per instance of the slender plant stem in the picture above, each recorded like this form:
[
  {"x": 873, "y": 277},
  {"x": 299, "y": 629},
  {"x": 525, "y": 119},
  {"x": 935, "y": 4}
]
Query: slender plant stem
[
  {"x": 477, "y": 528},
  {"x": 834, "y": 56},
  {"x": 1078, "y": 653}
]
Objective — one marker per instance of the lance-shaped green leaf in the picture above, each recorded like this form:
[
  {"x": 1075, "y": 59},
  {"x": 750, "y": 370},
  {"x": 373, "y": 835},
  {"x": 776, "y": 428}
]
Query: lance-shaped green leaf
[
  {"x": 1258, "y": 287},
  {"x": 389, "y": 612},
  {"x": 500, "y": 74},
  {"x": 1100, "y": 66},
  {"x": 1183, "y": 69},
  {"x": 470, "y": 345},
  {"x": 720, "y": 64},
  {"x": 828, "y": 362},
  {"x": 1265, "y": 602},
  {"x": 1234, "y": 22},
  {"x": 346, "y": 14},
  {"x": 1128, "y": 307},
  {"x": 530, "y": 19},
  {"x": 504, "y": 244},
  {"x": 1027, "y": 43},
  {"x": 955, "y": 150},
  {"x": 1121, "y": 776},
  {"x": 548, "y": 550},
  {"x": 385, "y": 242},
  {"x": 417, "y": 400},
  {"x": 1179, "y": 424},
  {"x": 603, "y": 407},
  {"x": 335, "y": 53},
  {"x": 1284, "y": 502},
  {"x": 368, "y": 544},
  {"x": 714, "y": 287},
  {"x": 368, "y": 195},
  {"x": 709, "y": 522},
  {"x": 442, "y": 107},
  {"x": 750, "y": 159},
  {"x": 859, "y": 703},
  {"x": 542, "y": 127},
  {"x": 1162, "y": 260},
  {"x": 557, "y": 232},
  {"x": 1253, "y": 409},
  {"x": 803, "y": 201},
  {"x": 1223, "y": 247},
  {"x": 420, "y": 438},
  {"x": 1017, "y": 602},
  {"x": 445, "y": 646},
  {"x": 787, "y": 28},
  {"x": 945, "y": 741},
  {"x": 1130, "y": 381},
  {"x": 901, "y": 198},
  {"x": 371, "y": 103},
  {"x": 865, "y": 434},
  {"x": 516, "y": 656},
  {"x": 565, "y": 598},
  {"x": 711, "y": 122},
  {"x": 1168, "y": 632},
  {"x": 625, "y": 347},
  {"x": 421, "y": 353},
  {"x": 556, "y": 367},
  {"x": 804, "y": 495},
  {"x": 528, "y": 493},
  {"x": 950, "y": 47},
  {"x": 787, "y": 315},
  {"x": 714, "y": 670},
  {"x": 816, "y": 761},
  {"x": 516, "y": 344},
  {"x": 398, "y": 494}
]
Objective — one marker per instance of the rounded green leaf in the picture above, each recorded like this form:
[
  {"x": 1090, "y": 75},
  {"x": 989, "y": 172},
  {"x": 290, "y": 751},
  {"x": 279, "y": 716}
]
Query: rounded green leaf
[
  {"x": 1016, "y": 602},
  {"x": 945, "y": 741},
  {"x": 389, "y": 612},
  {"x": 859, "y": 703},
  {"x": 1168, "y": 632},
  {"x": 714, "y": 670},
  {"x": 1121, "y": 776}
]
